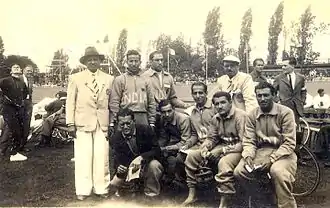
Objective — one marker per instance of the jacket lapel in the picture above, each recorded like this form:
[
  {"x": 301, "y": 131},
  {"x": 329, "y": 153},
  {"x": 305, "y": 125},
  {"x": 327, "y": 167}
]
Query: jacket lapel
[
  {"x": 89, "y": 81},
  {"x": 285, "y": 79}
]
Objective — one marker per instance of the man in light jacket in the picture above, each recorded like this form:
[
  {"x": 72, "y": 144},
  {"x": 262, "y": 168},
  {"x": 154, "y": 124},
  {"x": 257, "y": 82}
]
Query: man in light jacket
[{"x": 87, "y": 116}]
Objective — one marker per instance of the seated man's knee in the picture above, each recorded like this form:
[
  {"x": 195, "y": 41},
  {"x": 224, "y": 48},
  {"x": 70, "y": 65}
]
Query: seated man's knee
[
  {"x": 279, "y": 173},
  {"x": 193, "y": 156},
  {"x": 154, "y": 165}
]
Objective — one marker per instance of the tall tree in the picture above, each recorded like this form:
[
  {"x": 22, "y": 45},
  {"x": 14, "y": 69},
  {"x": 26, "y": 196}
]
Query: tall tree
[
  {"x": 2, "y": 46},
  {"x": 274, "y": 30},
  {"x": 4, "y": 70},
  {"x": 121, "y": 49},
  {"x": 303, "y": 33},
  {"x": 245, "y": 36},
  {"x": 214, "y": 40}
]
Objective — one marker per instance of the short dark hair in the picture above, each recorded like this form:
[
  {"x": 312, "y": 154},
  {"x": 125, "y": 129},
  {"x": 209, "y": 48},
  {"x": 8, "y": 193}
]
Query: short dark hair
[
  {"x": 133, "y": 52},
  {"x": 125, "y": 112},
  {"x": 292, "y": 60},
  {"x": 221, "y": 94},
  {"x": 198, "y": 83},
  {"x": 263, "y": 85},
  {"x": 163, "y": 103},
  {"x": 151, "y": 56},
  {"x": 320, "y": 90},
  {"x": 257, "y": 59}
]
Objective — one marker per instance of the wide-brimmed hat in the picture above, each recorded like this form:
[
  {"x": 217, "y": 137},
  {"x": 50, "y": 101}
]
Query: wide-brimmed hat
[{"x": 90, "y": 51}]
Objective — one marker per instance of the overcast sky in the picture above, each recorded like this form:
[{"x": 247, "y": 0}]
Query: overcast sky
[{"x": 37, "y": 28}]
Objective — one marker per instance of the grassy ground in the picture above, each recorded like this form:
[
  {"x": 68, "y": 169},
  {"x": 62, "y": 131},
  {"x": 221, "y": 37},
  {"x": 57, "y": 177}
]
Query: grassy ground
[{"x": 47, "y": 177}]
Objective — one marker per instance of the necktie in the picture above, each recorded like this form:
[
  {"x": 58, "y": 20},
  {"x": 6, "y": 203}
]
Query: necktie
[
  {"x": 290, "y": 80},
  {"x": 95, "y": 86}
]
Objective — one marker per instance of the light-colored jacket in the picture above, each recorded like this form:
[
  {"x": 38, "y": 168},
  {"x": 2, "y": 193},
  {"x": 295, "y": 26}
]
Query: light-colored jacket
[
  {"x": 83, "y": 108},
  {"x": 133, "y": 92},
  {"x": 242, "y": 90}
]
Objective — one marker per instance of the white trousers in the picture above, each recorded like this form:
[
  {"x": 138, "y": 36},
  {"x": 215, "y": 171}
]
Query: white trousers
[{"x": 91, "y": 152}]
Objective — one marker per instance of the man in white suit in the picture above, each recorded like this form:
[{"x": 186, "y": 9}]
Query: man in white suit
[
  {"x": 239, "y": 84},
  {"x": 87, "y": 116}
]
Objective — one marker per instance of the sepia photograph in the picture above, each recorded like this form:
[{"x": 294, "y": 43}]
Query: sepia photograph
[{"x": 146, "y": 103}]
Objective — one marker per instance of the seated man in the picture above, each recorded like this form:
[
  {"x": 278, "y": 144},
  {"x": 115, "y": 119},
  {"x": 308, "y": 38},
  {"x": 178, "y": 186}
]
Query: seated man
[
  {"x": 222, "y": 146},
  {"x": 55, "y": 117},
  {"x": 268, "y": 146},
  {"x": 321, "y": 100},
  {"x": 136, "y": 145},
  {"x": 200, "y": 116},
  {"x": 174, "y": 132}
]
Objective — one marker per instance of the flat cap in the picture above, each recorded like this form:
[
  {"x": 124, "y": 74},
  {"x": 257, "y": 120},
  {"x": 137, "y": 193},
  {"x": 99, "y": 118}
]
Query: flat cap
[{"x": 232, "y": 58}]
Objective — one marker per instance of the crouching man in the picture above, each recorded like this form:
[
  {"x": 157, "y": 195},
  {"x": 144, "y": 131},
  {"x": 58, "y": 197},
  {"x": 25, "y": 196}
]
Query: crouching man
[
  {"x": 268, "y": 146},
  {"x": 136, "y": 149},
  {"x": 222, "y": 146}
]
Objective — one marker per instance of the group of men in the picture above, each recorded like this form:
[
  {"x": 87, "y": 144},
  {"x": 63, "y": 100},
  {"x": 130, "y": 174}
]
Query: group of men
[
  {"x": 16, "y": 111},
  {"x": 239, "y": 128}
]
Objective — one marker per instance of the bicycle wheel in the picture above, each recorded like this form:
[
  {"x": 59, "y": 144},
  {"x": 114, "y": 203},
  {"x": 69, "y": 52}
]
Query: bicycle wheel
[{"x": 308, "y": 173}]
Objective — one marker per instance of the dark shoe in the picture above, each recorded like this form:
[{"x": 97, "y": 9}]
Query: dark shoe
[
  {"x": 25, "y": 150},
  {"x": 81, "y": 197},
  {"x": 327, "y": 164},
  {"x": 103, "y": 196}
]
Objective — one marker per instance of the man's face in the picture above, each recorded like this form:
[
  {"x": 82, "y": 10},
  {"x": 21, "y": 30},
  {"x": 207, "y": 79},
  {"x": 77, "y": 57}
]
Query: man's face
[
  {"x": 133, "y": 62},
  {"x": 265, "y": 98},
  {"x": 222, "y": 105},
  {"x": 230, "y": 68},
  {"x": 16, "y": 70},
  {"x": 287, "y": 68},
  {"x": 259, "y": 66},
  {"x": 167, "y": 112},
  {"x": 321, "y": 93},
  {"x": 157, "y": 62},
  {"x": 199, "y": 95},
  {"x": 126, "y": 124},
  {"x": 93, "y": 63}
]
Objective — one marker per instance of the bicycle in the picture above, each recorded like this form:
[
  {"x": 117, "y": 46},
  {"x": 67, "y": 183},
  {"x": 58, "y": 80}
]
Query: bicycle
[{"x": 308, "y": 170}]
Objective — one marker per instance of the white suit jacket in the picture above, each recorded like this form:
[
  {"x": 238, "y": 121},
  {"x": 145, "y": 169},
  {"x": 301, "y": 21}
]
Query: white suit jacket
[
  {"x": 242, "y": 90},
  {"x": 83, "y": 108}
]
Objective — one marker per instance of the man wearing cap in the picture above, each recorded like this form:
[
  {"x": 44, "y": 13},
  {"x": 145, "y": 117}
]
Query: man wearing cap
[
  {"x": 14, "y": 91},
  {"x": 87, "y": 117},
  {"x": 55, "y": 118},
  {"x": 133, "y": 91},
  {"x": 321, "y": 100},
  {"x": 291, "y": 89},
  {"x": 239, "y": 84}
]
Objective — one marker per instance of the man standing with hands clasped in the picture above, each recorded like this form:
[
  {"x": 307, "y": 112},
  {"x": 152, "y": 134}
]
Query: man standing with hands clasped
[{"x": 87, "y": 116}]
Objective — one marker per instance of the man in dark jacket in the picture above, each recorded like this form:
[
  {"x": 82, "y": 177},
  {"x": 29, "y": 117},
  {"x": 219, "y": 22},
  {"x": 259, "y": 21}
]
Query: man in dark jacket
[
  {"x": 291, "y": 88},
  {"x": 27, "y": 77},
  {"x": 136, "y": 149},
  {"x": 14, "y": 91},
  {"x": 55, "y": 118}
]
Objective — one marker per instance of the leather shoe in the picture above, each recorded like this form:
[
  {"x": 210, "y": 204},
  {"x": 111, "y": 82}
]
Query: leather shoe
[
  {"x": 25, "y": 150},
  {"x": 104, "y": 196},
  {"x": 81, "y": 197}
]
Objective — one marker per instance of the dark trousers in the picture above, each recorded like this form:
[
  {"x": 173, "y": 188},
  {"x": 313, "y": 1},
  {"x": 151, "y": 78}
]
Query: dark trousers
[
  {"x": 14, "y": 118},
  {"x": 28, "y": 106},
  {"x": 5, "y": 139}
]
